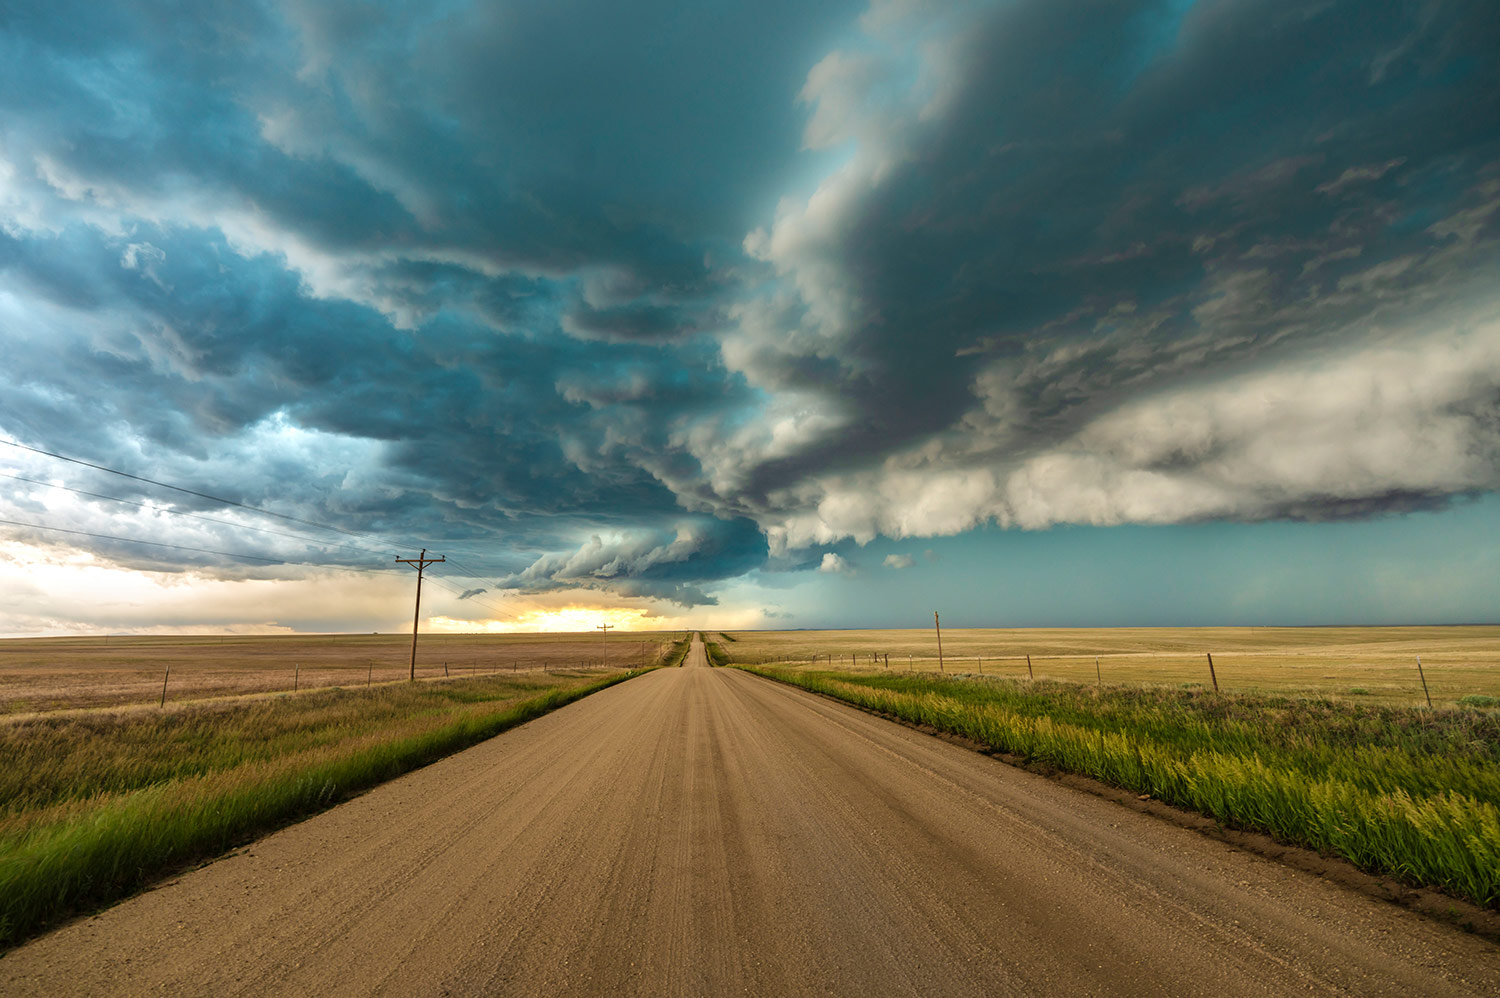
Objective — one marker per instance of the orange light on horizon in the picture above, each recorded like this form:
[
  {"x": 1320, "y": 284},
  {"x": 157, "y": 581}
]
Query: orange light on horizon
[{"x": 567, "y": 619}]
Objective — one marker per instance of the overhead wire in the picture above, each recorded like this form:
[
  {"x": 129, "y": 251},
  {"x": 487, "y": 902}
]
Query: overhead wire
[
  {"x": 436, "y": 579},
  {"x": 133, "y": 540},
  {"x": 451, "y": 589},
  {"x": 184, "y": 512},
  {"x": 193, "y": 492},
  {"x": 179, "y": 488}
]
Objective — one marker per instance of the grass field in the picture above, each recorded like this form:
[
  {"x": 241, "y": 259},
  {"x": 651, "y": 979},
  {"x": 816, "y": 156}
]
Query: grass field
[
  {"x": 1408, "y": 792},
  {"x": 96, "y": 803},
  {"x": 42, "y": 674},
  {"x": 1378, "y": 664}
]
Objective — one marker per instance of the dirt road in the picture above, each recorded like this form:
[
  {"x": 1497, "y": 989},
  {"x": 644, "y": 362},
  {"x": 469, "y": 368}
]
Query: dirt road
[{"x": 700, "y": 831}]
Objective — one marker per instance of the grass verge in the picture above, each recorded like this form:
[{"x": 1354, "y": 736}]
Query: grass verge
[
  {"x": 1409, "y": 793},
  {"x": 717, "y": 656},
  {"x": 94, "y": 807},
  {"x": 677, "y": 652}
]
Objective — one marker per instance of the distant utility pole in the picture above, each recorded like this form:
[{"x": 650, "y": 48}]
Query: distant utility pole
[
  {"x": 939, "y": 628},
  {"x": 421, "y": 561},
  {"x": 603, "y": 638}
]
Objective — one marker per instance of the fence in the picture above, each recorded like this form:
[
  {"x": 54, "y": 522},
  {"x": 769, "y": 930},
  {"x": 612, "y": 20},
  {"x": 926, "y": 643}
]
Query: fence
[
  {"x": 34, "y": 686},
  {"x": 1433, "y": 680}
]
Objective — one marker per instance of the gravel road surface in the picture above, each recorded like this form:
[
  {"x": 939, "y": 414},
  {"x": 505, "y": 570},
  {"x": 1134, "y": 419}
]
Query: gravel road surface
[{"x": 701, "y": 831}]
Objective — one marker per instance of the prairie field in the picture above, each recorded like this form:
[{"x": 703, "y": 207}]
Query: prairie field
[
  {"x": 1378, "y": 664},
  {"x": 95, "y": 803},
  {"x": 45, "y": 674}
]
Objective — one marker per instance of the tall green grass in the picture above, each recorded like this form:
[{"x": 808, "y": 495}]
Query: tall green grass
[
  {"x": 1410, "y": 793},
  {"x": 716, "y": 653},
  {"x": 677, "y": 652},
  {"x": 95, "y": 806}
]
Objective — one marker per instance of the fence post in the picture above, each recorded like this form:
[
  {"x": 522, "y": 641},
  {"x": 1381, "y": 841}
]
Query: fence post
[
  {"x": 296, "y": 677},
  {"x": 445, "y": 670},
  {"x": 980, "y": 660},
  {"x": 1098, "y": 677},
  {"x": 1423, "y": 677},
  {"x": 1211, "y": 674},
  {"x": 370, "y": 676},
  {"x": 1029, "y": 674},
  {"x": 937, "y": 626},
  {"x": 164, "y": 686}
]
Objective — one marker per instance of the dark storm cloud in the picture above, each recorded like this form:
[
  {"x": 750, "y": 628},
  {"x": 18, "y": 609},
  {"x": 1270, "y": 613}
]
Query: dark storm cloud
[
  {"x": 472, "y": 437},
  {"x": 1080, "y": 207},
  {"x": 481, "y": 273},
  {"x": 389, "y": 225},
  {"x": 666, "y": 565}
]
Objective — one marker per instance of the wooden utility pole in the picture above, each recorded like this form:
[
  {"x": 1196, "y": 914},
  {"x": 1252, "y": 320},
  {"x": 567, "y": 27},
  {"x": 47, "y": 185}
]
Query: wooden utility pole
[
  {"x": 937, "y": 626},
  {"x": 603, "y": 646},
  {"x": 421, "y": 561}
]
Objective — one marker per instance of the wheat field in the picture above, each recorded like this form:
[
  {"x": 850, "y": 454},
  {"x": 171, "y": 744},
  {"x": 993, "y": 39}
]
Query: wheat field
[
  {"x": 1377, "y": 663},
  {"x": 45, "y": 674}
]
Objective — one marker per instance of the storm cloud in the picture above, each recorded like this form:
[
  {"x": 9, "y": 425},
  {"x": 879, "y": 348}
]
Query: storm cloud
[{"x": 636, "y": 298}]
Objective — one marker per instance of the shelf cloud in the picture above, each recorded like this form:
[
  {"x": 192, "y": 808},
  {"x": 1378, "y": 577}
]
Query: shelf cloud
[{"x": 815, "y": 275}]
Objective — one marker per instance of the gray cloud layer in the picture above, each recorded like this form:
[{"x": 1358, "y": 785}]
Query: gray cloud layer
[{"x": 480, "y": 276}]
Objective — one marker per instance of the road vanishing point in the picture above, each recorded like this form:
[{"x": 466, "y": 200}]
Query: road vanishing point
[{"x": 702, "y": 831}]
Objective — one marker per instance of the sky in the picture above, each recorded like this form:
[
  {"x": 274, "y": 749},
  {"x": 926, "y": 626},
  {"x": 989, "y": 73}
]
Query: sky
[{"x": 741, "y": 315}]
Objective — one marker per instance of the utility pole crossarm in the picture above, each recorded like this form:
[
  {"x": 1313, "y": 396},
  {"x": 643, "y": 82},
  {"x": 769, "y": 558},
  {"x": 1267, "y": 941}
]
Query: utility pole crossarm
[
  {"x": 421, "y": 562},
  {"x": 603, "y": 630}
]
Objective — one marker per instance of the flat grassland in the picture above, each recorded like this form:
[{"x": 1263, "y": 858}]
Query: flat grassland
[
  {"x": 1374, "y": 663},
  {"x": 45, "y": 674},
  {"x": 95, "y": 802}
]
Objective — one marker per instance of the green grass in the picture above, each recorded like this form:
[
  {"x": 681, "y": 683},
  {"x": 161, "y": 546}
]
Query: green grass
[
  {"x": 716, "y": 653},
  {"x": 95, "y": 805},
  {"x": 677, "y": 652},
  {"x": 1407, "y": 792}
]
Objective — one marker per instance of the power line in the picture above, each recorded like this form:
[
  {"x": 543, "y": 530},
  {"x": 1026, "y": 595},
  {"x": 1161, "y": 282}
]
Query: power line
[
  {"x": 183, "y": 512},
  {"x": 438, "y": 580},
  {"x": 204, "y": 495},
  {"x": 228, "y": 502},
  {"x": 472, "y": 573},
  {"x": 132, "y": 540},
  {"x": 178, "y": 488},
  {"x": 201, "y": 495},
  {"x": 243, "y": 526},
  {"x": 184, "y": 547}
]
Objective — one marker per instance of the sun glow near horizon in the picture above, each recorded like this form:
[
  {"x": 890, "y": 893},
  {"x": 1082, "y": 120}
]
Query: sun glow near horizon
[{"x": 557, "y": 620}]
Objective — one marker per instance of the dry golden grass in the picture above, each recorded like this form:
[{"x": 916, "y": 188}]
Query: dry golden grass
[
  {"x": 1381, "y": 661},
  {"x": 46, "y": 674},
  {"x": 95, "y": 803}
]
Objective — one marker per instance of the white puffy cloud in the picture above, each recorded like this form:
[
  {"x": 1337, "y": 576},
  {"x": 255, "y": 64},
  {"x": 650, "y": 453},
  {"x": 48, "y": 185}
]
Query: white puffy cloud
[
  {"x": 834, "y": 564},
  {"x": 1399, "y": 423}
]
